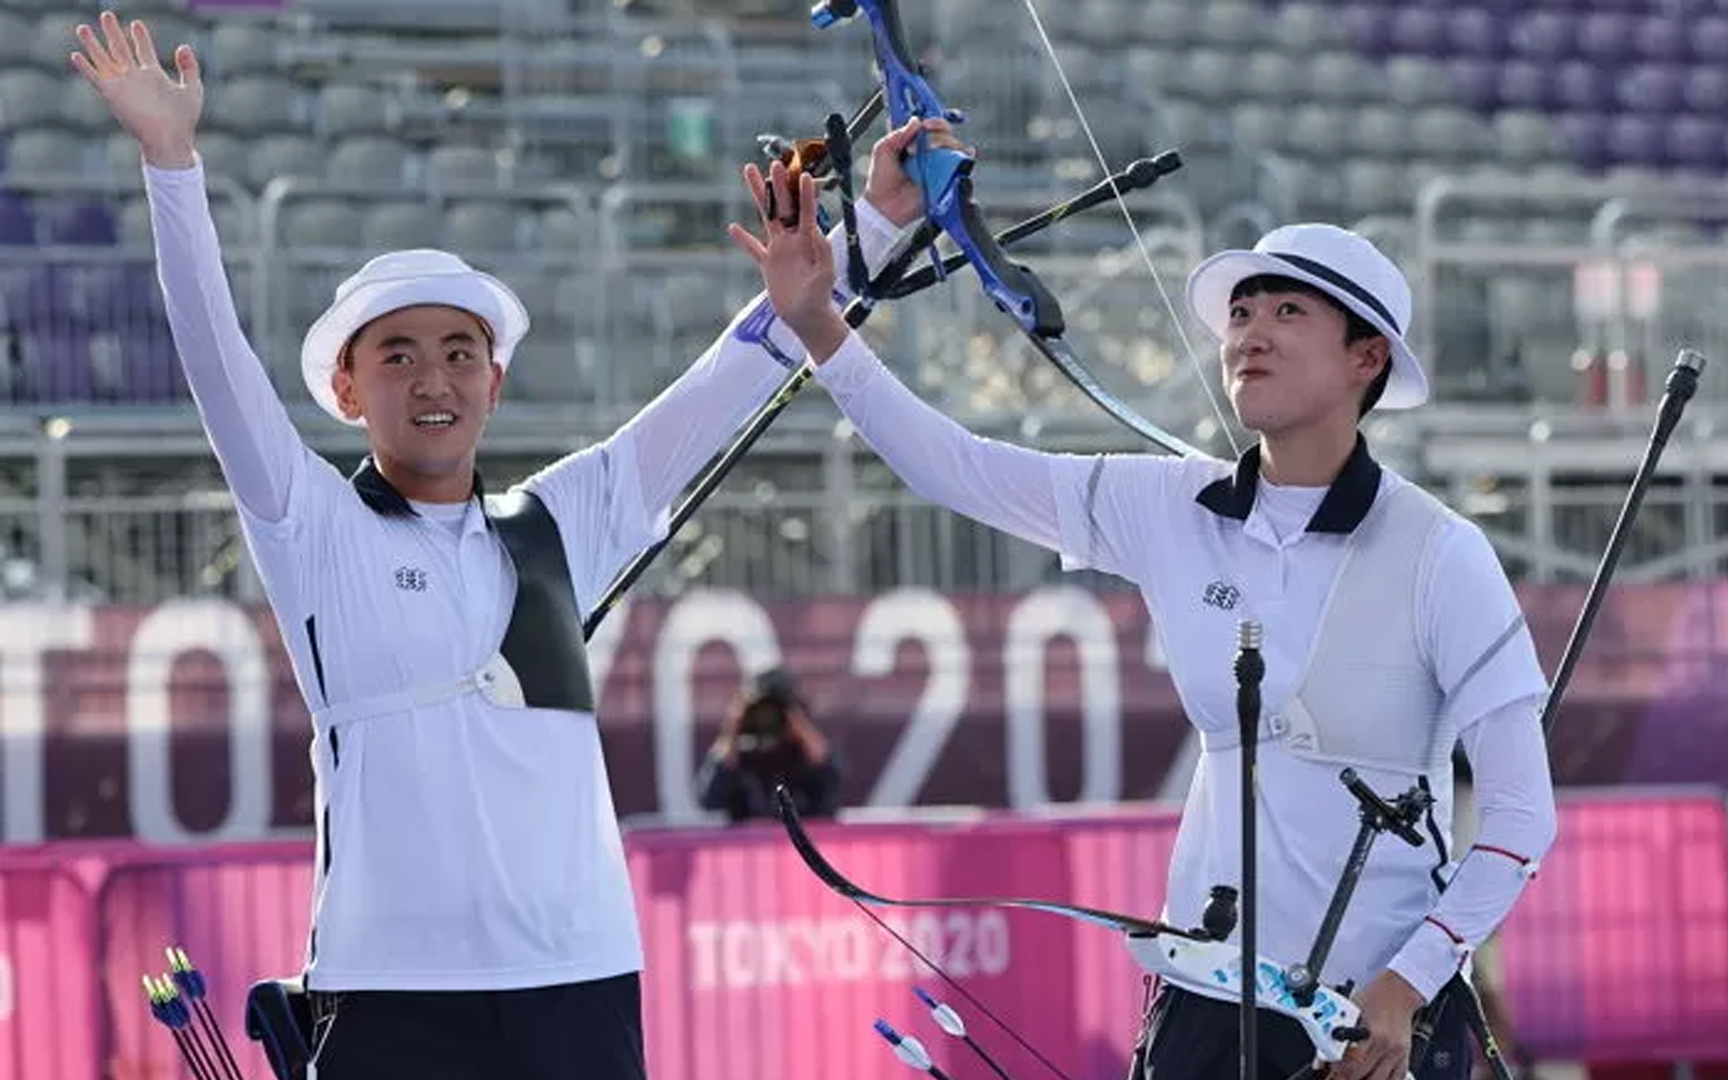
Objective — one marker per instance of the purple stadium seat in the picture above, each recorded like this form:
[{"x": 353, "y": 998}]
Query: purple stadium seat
[
  {"x": 1525, "y": 85},
  {"x": 1476, "y": 32},
  {"x": 1582, "y": 87},
  {"x": 79, "y": 221},
  {"x": 1635, "y": 140},
  {"x": 1419, "y": 30},
  {"x": 1542, "y": 35},
  {"x": 1605, "y": 35},
  {"x": 29, "y": 298},
  {"x": 1661, "y": 38},
  {"x": 1706, "y": 89},
  {"x": 1709, "y": 39},
  {"x": 17, "y": 227},
  {"x": 1474, "y": 81},
  {"x": 1696, "y": 142},
  {"x": 1649, "y": 88},
  {"x": 1370, "y": 26},
  {"x": 57, "y": 365},
  {"x": 138, "y": 367},
  {"x": 104, "y": 296},
  {"x": 1586, "y": 138}
]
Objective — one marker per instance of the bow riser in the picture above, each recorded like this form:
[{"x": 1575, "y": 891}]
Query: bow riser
[{"x": 1328, "y": 1020}]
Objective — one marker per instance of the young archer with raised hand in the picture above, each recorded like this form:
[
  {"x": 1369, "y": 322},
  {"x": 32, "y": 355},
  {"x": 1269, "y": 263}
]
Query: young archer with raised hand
[
  {"x": 473, "y": 916},
  {"x": 1390, "y": 630}
]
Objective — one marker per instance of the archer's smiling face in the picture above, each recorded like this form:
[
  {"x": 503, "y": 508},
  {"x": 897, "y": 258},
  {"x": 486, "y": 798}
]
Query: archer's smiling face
[{"x": 423, "y": 379}]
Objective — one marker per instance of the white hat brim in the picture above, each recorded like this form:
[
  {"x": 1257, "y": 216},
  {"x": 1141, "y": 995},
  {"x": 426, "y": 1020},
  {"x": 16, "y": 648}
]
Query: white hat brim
[
  {"x": 1211, "y": 283},
  {"x": 479, "y": 294}
]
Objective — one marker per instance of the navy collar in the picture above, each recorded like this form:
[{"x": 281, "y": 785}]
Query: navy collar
[
  {"x": 1347, "y": 501},
  {"x": 381, "y": 495}
]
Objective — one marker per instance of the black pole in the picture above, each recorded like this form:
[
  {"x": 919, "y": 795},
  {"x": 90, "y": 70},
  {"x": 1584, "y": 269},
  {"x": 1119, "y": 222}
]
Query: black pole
[
  {"x": 1682, "y": 383},
  {"x": 1250, "y": 669}
]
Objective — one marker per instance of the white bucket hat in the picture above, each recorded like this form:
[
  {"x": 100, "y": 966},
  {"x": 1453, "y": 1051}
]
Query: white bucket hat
[
  {"x": 1341, "y": 264},
  {"x": 402, "y": 279}
]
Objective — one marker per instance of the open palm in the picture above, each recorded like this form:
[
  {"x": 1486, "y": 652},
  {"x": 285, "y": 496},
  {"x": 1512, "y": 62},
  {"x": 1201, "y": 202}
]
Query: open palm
[{"x": 160, "y": 111}]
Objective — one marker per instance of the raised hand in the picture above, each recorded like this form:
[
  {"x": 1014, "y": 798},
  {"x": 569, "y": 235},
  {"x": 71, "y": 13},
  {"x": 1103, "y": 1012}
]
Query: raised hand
[
  {"x": 796, "y": 262},
  {"x": 160, "y": 110}
]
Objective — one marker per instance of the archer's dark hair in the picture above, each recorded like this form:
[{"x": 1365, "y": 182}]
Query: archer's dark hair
[{"x": 1356, "y": 328}]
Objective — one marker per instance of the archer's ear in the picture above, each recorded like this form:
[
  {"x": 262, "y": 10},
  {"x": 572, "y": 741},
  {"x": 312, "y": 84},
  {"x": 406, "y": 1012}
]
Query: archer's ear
[
  {"x": 1373, "y": 355},
  {"x": 347, "y": 394}
]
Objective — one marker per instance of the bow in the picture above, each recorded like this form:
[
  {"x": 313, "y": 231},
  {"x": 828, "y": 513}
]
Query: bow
[
  {"x": 1327, "y": 1016},
  {"x": 944, "y": 175}
]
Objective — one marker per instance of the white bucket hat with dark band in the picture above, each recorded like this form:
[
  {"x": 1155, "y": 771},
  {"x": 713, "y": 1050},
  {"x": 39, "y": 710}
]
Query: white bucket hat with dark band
[
  {"x": 397, "y": 280},
  {"x": 1340, "y": 263}
]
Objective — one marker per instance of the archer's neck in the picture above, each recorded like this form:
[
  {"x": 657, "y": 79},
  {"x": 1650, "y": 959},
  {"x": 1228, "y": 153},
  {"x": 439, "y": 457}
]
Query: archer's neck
[
  {"x": 445, "y": 485},
  {"x": 1308, "y": 457}
]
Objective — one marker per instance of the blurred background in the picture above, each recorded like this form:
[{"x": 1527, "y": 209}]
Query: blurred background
[{"x": 1550, "y": 174}]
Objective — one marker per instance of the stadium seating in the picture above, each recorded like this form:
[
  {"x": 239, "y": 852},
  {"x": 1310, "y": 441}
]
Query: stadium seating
[{"x": 1300, "y": 108}]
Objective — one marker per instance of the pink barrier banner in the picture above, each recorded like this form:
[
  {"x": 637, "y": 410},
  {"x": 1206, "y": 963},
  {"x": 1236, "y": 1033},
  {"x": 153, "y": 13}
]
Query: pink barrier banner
[
  {"x": 1619, "y": 948},
  {"x": 240, "y": 912},
  {"x": 756, "y": 970},
  {"x": 49, "y": 1023}
]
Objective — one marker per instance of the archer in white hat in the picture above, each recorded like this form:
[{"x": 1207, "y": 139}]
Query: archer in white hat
[
  {"x": 473, "y": 915},
  {"x": 1390, "y": 632}
]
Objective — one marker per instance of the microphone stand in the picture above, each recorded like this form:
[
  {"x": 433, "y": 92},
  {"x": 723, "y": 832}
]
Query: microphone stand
[{"x": 1250, "y": 669}]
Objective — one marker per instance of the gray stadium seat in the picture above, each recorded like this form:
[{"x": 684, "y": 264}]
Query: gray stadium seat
[
  {"x": 536, "y": 288},
  {"x": 1376, "y": 187},
  {"x": 1319, "y": 130},
  {"x": 401, "y": 225},
  {"x": 1444, "y": 133},
  {"x": 562, "y": 229},
  {"x": 47, "y": 152},
  {"x": 1211, "y": 74},
  {"x": 29, "y": 98},
  {"x": 369, "y": 161},
  {"x": 1413, "y": 81},
  {"x": 254, "y": 104},
  {"x": 319, "y": 222},
  {"x": 1271, "y": 75},
  {"x": 238, "y": 47},
  {"x": 283, "y": 155},
  {"x": 1164, "y": 22},
  {"x": 1231, "y": 24},
  {"x": 482, "y": 227},
  {"x": 1262, "y": 125},
  {"x": 1307, "y": 27},
  {"x": 134, "y": 223},
  {"x": 1380, "y": 131},
  {"x": 352, "y": 109},
  {"x": 82, "y": 108},
  {"x": 458, "y": 167},
  {"x": 1525, "y": 138},
  {"x": 15, "y": 39},
  {"x": 1340, "y": 76}
]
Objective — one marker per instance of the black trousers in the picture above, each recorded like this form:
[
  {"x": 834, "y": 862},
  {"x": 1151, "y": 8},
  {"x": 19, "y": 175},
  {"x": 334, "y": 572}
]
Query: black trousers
[
  {"x": 1191, "y": 1037},
  {"x": 578, "y": 1031}
]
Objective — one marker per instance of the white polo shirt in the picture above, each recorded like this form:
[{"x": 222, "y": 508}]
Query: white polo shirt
[
  {"x": 462, "y": 844},
  {"x": 1209, "y": 546}
]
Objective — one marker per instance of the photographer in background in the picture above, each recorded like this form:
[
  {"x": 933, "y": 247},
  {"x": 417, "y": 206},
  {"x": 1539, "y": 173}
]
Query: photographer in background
[{"x": 766, "y": 740}]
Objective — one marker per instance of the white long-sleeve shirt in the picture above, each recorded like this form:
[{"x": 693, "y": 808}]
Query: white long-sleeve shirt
[
  {"x": 1138, "y": 516},
  {"x": 462, "y": 844}
]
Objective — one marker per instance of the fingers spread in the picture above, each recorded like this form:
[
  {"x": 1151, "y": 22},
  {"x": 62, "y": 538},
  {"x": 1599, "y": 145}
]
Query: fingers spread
[
  {"x": 142, "y": 45},
  {"x": 118, "y": 52},
  {"x": 752, "y": 246},
  {"x": 95, "y": 53},
  {"x": 186, "y": 62}
]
